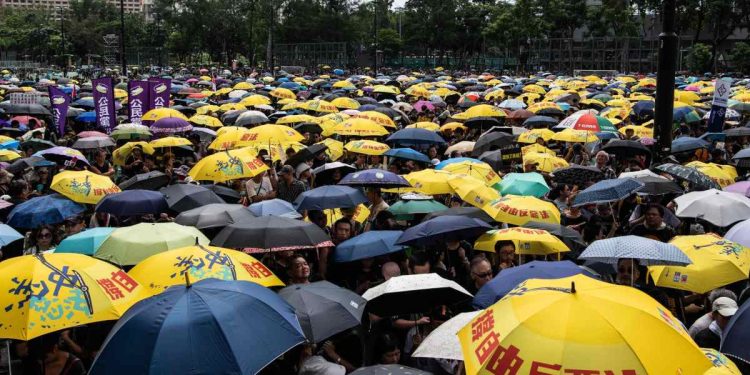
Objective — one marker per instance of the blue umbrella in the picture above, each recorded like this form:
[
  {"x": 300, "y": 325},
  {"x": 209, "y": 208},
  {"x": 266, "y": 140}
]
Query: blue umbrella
[
  {"x": 133, "y": 203},
  {"x": 196, "y": 329},
  {"x": 47, "y": 209},
  {"x": 512, "y": 104},
  {"x": 329, "y": 196},
  {"x": 509, "y": 278},
  {"x": 408, "y": 154},
  {"x": 415, "y": 137},
  {"x": 443, "y": 163},
  {"x": 608, "y": 191},
  {"x": 644, "y": 108},
  {"x": 743, "y": 154},
  {"x": 338, "y": 72},
  {"x": 368, "y": 245},
  {"x": 83, "y": 102},
  {"x": 374, "y": 178},
  {"x": 86, "y": 242},
  {"x": 525, "y": 184},
  {"x": 10, "y": 145},
  {"x": 368, "y": 107},
  {"x": 290, "y": 85},
  {"x": 443, "y": 228},
  {"x": 649, "y": 252},
  {"x": 8, "y": 235},
  {"x": 737, "y": 334},
  {"x": 86, "y": 117},
  {"x": 687, "y": 144},
  {"x": 274, "y": 207}
]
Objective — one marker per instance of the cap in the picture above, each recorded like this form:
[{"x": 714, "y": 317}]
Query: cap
[
  {"x": 301, "y": 168},
  {"x": 287, "y": 169},
  {"x": 725, "y": 306}
]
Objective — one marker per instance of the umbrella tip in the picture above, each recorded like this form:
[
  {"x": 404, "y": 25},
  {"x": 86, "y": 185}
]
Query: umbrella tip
[
  {"x": 196, "y": 241},
  {"x": 572, "y": 286},
  {"x": 187, "y": 279}
]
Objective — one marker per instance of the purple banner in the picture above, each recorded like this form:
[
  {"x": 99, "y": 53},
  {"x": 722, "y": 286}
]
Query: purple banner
[
  {"x": 137, "y": 100},
  {"x": 159, "y": 89},
  {"x": 60, "y": 103},
  {"x": 104, "y": 103}
]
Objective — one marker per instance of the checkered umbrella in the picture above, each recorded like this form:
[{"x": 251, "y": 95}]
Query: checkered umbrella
[
  {"x": 647, "y": 251},
  {"x": 608, "y": 191}
]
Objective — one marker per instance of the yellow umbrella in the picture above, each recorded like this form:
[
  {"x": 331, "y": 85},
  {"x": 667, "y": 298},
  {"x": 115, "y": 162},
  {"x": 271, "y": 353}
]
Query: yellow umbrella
[
  {"x": 228, "y": 165},
  {"x": 431, "y": 126},
  {"x": 518, "y": 210},
  {"x": 9, "y": 155},
  {"x": 276, "y": 150},
  {"x": 282, "y": 93},
  {"x": 120, "y": 94},
  {"x": 160, "y": 271},
  {"x": 169, "y": 142},
  {"x": 536, "y": 107},
  {"x": 716, "y": 262},
  {"x": 383, "y": 89},
  {"x": 376, "y": 117},
  {"x": 226, "y": 107},
  {"x": 527, "y": 241},
  {"x": 83, "y": 186},
  {"x": 361, "y": 213},
  {"x": 205, "y": 120},
  {"x": 120, "y": 155},
  {"x": 528, "y": 97},
  {"x": 530, "y": 136},
  {"x": 453, "y": 126},
  {"x": 270, "y": 133},
  {"x": 160, "y": 113},
  {"x": 484, "y": 110},
  {"x": 335, "y": 148},
  {"x": 619, "y": 103},
  {"x": 534, "y": 88},
  {"x": 418, "y": 91},
  {"x": 320, "y": 106},
  {"x": 366, "y": 147},
  {"x": 206, "y": 109},
  {"x": 493, "y": 95},
  {"x": 721, "y": 176},
  {"x": 721, "y": 364},
  {"x": 255, "y": 100},
  {"x": 639, "y": 131},
  {"x": 243, "y": 86},
  {"x": 593, "y": 102},
  {"x": 343, "y": 84},
  {"x": 50, "y": 292},
  {"x": 345, "y": 103},
  {"x": 229, "y": 139},
  {"x": 359, "y": 127},
  {"x": 479, "y": 170},
  {"x": 536, "y": 148},
  {"x": 430, "y": 182},
  {"x": 472, "y": 190},
  {"x": 576, "y": 136},
  {"x": 578, "y": 325},
  {"x": 296, "y": 119},
  {"x": 544, "y": 162},
  {"x": 222, "y": 91}
]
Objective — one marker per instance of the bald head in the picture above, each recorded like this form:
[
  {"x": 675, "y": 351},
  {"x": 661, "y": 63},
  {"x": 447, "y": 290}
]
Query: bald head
[{"x": 390, "y": 269}]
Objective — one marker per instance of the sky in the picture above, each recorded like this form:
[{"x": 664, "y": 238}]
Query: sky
[{"x": 398, "y": 3}]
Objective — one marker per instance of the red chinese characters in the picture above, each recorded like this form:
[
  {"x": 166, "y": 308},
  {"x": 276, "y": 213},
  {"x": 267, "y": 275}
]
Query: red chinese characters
[
  {"x": 256, "y": 269},
  {"x": 115, "y": 285}
]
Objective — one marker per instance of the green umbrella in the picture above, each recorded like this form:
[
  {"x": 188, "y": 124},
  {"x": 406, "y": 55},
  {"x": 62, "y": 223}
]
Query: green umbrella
[
  {"x": 129, "y": 245},
  {"x": 131, "y": 132},
  {"x": 526, "y": 184},
  {"x": 404, "y": 209}
]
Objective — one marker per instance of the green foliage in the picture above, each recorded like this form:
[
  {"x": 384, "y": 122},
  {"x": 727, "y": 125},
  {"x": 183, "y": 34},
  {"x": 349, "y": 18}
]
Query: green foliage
[
  {"x": 741, "y": 57},
  {"x": 389, "y": 42},
  {"x": 698, "y": 59}
]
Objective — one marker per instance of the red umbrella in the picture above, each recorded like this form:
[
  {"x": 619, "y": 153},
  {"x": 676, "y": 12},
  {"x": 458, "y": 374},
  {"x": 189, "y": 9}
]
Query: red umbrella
[
  {"x": 24, "y": 119},
  {"x": 423, "y": 105}
]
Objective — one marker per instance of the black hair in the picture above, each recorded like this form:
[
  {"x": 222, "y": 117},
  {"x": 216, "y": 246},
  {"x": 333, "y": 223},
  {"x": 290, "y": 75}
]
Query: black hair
[{"x": 658, "y": 207}]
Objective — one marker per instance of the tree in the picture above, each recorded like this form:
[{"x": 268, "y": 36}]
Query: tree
[
  {"x": 389, "y": 42},
  {"x": 699, "y": 58},
  {"x": 741, "y": 57}
]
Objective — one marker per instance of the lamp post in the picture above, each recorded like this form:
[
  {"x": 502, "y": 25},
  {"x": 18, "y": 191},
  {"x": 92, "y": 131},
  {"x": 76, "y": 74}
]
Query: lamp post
[
  {"x": 62, "y": 42},
  {"x": 665, "y": 81},
  {"x": 122, "y": 38}
]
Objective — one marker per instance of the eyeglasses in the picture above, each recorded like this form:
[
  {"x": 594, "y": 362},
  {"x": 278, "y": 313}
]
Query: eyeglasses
[
  {"x": 483, "y": 275},
  {"x": 44, "y": 235}
]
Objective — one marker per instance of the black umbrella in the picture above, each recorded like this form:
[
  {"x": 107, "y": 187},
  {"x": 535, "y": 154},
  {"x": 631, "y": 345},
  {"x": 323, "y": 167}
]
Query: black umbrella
[
  {"x": 214, "y": 215},
  {"x": 577, "y": 175},
  {"x": 410, "y": 294},
  {"x": 482, "y": 122},
  {"x": 388, "y": 370},
  {"x": 471, "y": 212},
  {"x": 324, "y": 309},
  {"x": 742, "y": 131},
  {"x": 37, "y": 144},
  {"x": 492, "y": 141},
  {"x": 627, "y": 149},
  {"x": 147, "y": 181},
  {"x": 25, "y": 109},
  {"x": 493, "y": 158},
  {"x": 183, "y": 197},
  {"x": 366, "y": 100},
  {"x": 658, "y": 186},
  {"x": 308, "y": 127},
  {"x": 688, "y": 174},
  {"x": 272, "y": 233},
  {"x": 305, "y": 154},
  {"x": 229, "y": 195},
  {"x": 567, "y": 235},
  {"x": 540, "y": 122},
  {"x": 19, "y": 165},
  {"x": 323, "y": 174},
  {"x": 12, "y": 132}
]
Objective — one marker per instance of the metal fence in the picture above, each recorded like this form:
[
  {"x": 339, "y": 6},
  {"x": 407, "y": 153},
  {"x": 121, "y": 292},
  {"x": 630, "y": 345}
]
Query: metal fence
[{"x": 311, "y": 54}]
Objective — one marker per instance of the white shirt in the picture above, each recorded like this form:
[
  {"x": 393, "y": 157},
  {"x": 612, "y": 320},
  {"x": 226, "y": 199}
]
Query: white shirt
[
  {"x": 317, "y": 365},
  {"x": 262, "y": 188}
]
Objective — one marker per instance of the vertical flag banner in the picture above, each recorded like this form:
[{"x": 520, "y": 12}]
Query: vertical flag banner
[
  {"x": 719, "y": 106},
  {"x": 138, "y": 100},
  {"x": 60, "y": 103},
  {"x": 104, "y": 103},
  {"x": 159, "y": 89}
]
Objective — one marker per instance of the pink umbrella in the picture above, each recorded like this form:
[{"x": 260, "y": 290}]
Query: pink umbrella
[
  {"x": 91, "y": 133},
  {"x": 742, "y": 187},
  {"x": 423, "y": 105}
]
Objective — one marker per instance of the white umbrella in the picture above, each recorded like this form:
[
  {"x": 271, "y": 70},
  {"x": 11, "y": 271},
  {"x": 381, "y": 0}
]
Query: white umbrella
[
  {"x": 443, "y": 342},
  {"x": 642, "y": 173},
  {"x": 237, "y": 94},
  {"x": 463, "y": 146},
  {"x": 413, "y": 294},
  {"x": 718, "y": 207}
]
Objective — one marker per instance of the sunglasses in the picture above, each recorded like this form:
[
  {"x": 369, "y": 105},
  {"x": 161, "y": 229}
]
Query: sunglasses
[
  {"x": 44, "y": 235},
  {"x": 484, "y": 275}
]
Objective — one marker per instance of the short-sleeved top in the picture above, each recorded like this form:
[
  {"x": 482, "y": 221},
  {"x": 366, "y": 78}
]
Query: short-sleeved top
[
  {"x": 290, "y": 192},
  {"x": 254, "y": 188}
]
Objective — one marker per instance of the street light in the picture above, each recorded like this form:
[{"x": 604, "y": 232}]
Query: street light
[
  {"x": 62, "y": 42},
  {"x": 663, "y": 115},
  {"x": 122, "y": 38}
]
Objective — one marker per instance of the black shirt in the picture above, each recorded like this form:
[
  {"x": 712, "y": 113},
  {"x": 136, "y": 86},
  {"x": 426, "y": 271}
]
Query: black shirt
[{"x": 664, "y": 233}]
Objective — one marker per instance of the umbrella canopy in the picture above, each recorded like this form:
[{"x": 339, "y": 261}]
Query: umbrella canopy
[
  {"x": 272, "y": 233},
  {"x": 647, "y": 251},
  {"x": 388, "y": 370},
  {"x": 47, "y": 209},
  {"x": 407, "y": 154},
  {"x": 510, "y": 278},
  {"x": 687, "y": 144},
  {"x": 329, "y": 196},
  {"x": 44, "y": 293},
  {"x": 8, "y": 235},
  {"x": 93, "y": 143},
  {"x": 415, "y": 137},
  {"x": 442, "y": 342},
  {"x": 228, "y": 165},
  {"x": 183, "y": 197},
  {"x": 407, "y": 208},
  {"x": 147, "y": 181},
  {"x": 735, "y": 335},
  {"x": 239, "y": 344},
  {"x": 324, "y": 309},
  {"x": 430, "y": 181},
  {"x": 577, "y": 175},
  {"x": 83, "y": 186},
  {"x": 127, "y": 246},
  {"x": 716, "y": 262},
  {"x": 689, "y": 174},
  {"x": 658, "y": 186},
  {"x": 492, "y": 141},
  {"x": 471, "y": 212},
  {"x": 374, "y": 178},
  {"x": 441, "y": 229},
  {"x": 517, "y": 210},
  {"x": 595, "y": 326},
  {"x": 471, "y": 167},
  {"x": 413, "y": 294},
  {"x": 133, "y": 203},
  {"x": 64, "y": 155},
  {"x": 526, "y": 241},
  {"x": 274, "y": 207},
  {"x": 163, "y": 270},
  {"x": 531, "y": 184},
  {"x": 606, "y": 191},
  {"x": 214, "y": 215},
  {"x": 85, "y": 242},
  {"x": 718, "y": 207},
  {"x": 368, "y": 245}
]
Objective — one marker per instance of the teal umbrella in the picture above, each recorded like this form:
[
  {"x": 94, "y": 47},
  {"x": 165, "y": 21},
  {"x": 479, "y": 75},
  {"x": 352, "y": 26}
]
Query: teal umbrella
[
  {"x": 86, "y": 242},
  {"x": 525, "y": 184},
  {"x": 406, "y": 208}
]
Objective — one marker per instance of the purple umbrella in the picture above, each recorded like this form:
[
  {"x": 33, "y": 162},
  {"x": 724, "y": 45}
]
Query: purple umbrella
[
  {"x": 423, "y": 105},
  {"x": 65, "y": 155},
  {"x": 742, "y": 187},
  {"x": 170, "y": 125}
]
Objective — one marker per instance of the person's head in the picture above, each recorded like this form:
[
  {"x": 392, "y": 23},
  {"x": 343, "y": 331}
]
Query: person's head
[
  {"x": 73, "y": 225},
  {"x": 602, "y": 158},
  {"x": 603, "y": 209},
  {"x": 342, "y": 230},
  {"x": 387, "y": 350},
  {"x": 303, "y": 171},
  {"x": 432, "y": 152},
  {"x": 287, "y": 173},
  {"x": 390, "y": 269},
  {"x": 374, "y": 195},
  {"x": 722, "y": 310},
  {"x": 385, "y": 220},
  {"x": 654, "y": 215},
  {"x": 44, "y": 348},
  {"x": 298, "y": 270},
  {"x": 336, "y": 175},
  {"x": 720, "y": 292},
  {"x": 419, "y": 263},
  {"x": 506, "y": 251},
  {"x": 19, "y": 189},
  {"x": 44, "y": 237},
  {"x": 101, "y": 155},
  {"x": 481, "y": 271},
  {"x": 137, "y": 152},
  {"x": 630, "y": 272},
  {"x": 318, "y": 218}
]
